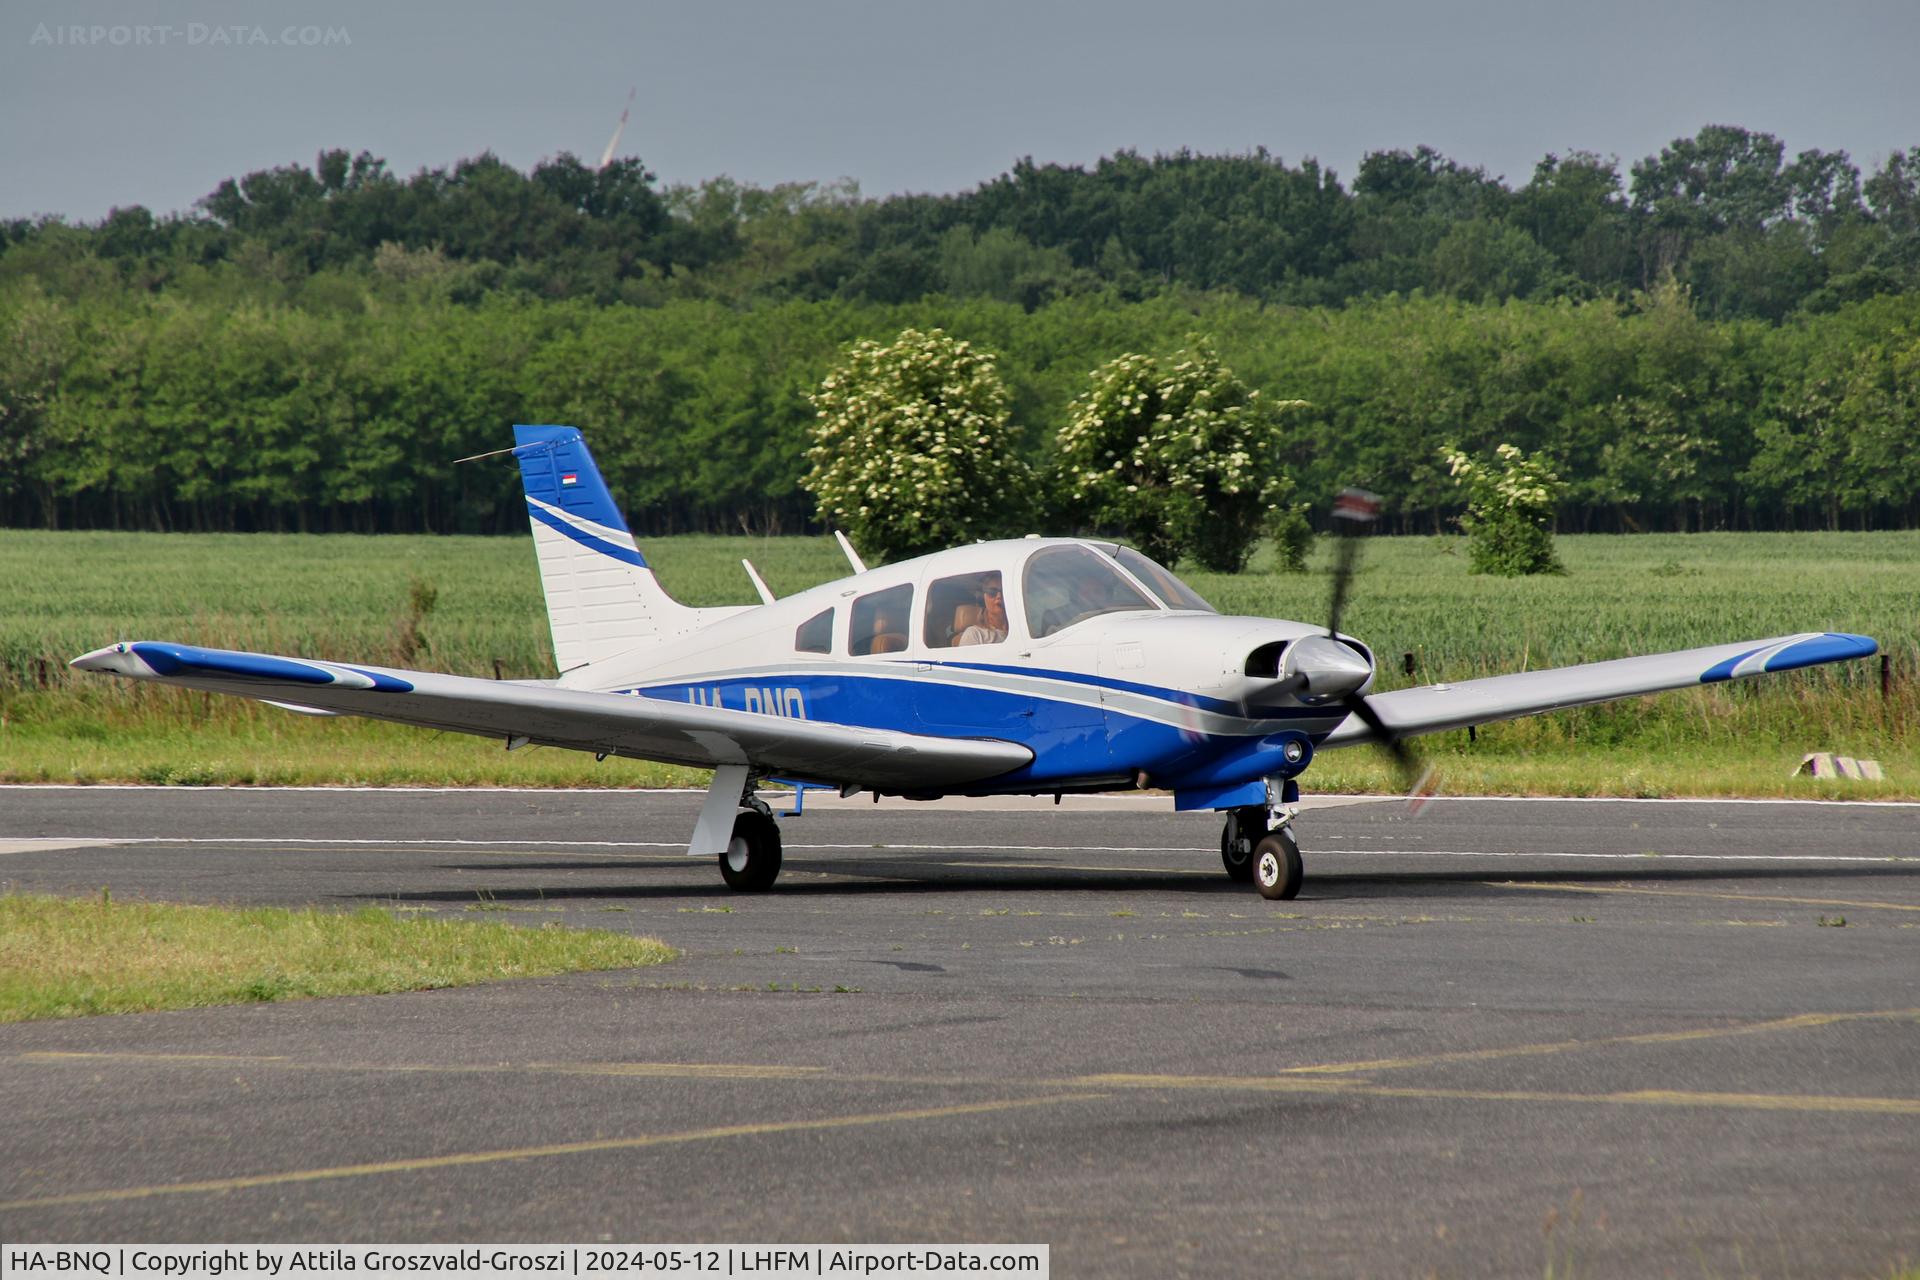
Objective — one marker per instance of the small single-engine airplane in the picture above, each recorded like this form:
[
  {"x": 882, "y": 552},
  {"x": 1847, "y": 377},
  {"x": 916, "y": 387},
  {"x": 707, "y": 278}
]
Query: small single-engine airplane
[{"x": 1037, "y": 666}]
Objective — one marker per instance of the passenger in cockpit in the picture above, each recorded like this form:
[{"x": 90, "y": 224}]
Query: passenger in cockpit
[{"x": 992, "y": 626}]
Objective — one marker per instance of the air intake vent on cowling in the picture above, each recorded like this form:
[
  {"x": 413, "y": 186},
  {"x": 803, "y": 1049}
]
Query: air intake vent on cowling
[{"x": 1264, "y": 663}]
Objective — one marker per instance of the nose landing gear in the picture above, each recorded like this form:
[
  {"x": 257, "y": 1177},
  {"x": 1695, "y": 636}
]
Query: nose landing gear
[
  {"x": 1244, "y": 829},
  {"x": 1257, "y": 843},
  {"x": 1277, "y": 869}
]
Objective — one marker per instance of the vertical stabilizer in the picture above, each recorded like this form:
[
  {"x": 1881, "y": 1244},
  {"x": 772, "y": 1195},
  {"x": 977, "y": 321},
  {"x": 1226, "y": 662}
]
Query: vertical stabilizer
[{"x": 602, "y": 599}]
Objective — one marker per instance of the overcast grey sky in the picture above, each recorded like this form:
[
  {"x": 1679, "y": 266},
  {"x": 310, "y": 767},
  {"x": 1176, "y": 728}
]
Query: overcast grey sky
[{"x": 913, "y": 96}]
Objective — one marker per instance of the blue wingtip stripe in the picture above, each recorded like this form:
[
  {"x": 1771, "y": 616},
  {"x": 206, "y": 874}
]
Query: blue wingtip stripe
[
  {"x": 1834, "y": 646},
  {"x": 186, "y": 659},
  {"x": 1724, "y": 670},
  {"x": 384, "y": 683}
]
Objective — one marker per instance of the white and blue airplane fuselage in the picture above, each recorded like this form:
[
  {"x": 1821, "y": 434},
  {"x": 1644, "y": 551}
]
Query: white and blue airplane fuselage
[{"x": 1148, "y": 689}]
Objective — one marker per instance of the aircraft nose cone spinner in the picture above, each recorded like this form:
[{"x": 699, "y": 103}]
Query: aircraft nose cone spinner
[{"x": 1322, "y": 667}]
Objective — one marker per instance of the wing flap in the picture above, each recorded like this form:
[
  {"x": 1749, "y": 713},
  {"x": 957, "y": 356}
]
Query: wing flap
[
  {"x": 618, "y": 724},
  {"x": 1437, "y": 708}
]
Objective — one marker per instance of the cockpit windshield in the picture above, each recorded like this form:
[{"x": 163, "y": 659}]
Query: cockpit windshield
[
  {"x": 1068, "y": 584},
  {"x": 1174, "y": 593}
]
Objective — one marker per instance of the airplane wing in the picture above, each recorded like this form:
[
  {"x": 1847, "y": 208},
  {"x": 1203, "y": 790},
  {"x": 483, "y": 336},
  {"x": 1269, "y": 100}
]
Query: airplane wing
[
  {"x": 617, "y": 724},
  {"x": 1438, "y": 707}
]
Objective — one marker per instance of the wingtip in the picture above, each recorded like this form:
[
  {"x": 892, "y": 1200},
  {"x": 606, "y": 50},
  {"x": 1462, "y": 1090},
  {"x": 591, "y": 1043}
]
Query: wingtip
[
  {"x": 1831, "y": 646},
  {"x": 1864, "y": 646},
  {"x": 116, "y": 659}
]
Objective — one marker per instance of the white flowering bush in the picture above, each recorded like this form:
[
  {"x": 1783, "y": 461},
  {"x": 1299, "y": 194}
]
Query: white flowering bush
[
  {"x": 1177, "y": 454},
  {"x": 911, "y": 448},
  {"x": 1510, "y": 502}
]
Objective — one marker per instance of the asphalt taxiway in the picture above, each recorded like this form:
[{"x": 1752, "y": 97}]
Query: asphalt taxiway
[{"x": 1640, "y": 1038}]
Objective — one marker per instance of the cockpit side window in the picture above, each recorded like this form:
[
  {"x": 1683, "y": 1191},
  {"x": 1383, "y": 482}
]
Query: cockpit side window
[
  {"x": 967, "y": 609},
  {"x": 1065, "y": 585},
  {"x": 815, "y": 634},
  {"x": 880, "y": 620},
  {"x": 1174, "y": 593}
]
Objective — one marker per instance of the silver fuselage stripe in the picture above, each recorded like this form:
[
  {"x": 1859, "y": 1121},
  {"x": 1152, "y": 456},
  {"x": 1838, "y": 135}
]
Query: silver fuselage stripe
[{"x": 1073, "y": 692}]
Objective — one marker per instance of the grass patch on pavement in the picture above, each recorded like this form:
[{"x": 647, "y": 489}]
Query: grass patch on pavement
[{"x": 68, "y": 957}]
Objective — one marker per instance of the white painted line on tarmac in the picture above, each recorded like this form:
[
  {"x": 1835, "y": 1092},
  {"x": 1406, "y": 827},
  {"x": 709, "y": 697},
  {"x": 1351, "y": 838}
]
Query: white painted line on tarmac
[
  {"x": 48, "y": 844},
  {"x": 537, "y": 846},
  {"x": 1129, "y": 800},
  {"x": 571, "y": 846},
  {"x": 1855, "y": 804},
  {"x": 165, "y": 789},
  {"x": 1633, "y": 857}
]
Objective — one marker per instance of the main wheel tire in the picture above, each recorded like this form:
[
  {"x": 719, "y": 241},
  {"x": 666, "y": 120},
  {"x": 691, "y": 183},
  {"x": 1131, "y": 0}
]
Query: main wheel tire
[
  {"x": 1238, "y": 834},
  {"x": 751, "y": 860},
  {"x": 1277, "y": 869}
]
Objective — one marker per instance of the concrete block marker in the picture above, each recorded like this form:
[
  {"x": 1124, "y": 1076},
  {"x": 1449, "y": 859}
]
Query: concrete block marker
[{"x": 1824, "y": 764}]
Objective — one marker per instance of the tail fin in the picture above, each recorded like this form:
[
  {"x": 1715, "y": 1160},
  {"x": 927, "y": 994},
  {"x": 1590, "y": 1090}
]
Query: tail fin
[{"x": 602, "y": 599}]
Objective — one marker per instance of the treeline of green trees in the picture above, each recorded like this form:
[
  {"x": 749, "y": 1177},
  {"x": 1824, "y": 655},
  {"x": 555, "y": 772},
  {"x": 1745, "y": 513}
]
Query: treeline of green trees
[
  {"x": 1748, "y": 229},
  {"x": 178, "y": 410}
]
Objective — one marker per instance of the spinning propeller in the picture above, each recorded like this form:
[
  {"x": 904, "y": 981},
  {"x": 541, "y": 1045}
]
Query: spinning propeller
[{"x": 1327, "y": 669}]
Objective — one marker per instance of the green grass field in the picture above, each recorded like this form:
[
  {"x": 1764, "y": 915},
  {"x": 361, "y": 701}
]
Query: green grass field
[
  {"x": 66, "y": 957},
  {"x": 349, "y": 598}
]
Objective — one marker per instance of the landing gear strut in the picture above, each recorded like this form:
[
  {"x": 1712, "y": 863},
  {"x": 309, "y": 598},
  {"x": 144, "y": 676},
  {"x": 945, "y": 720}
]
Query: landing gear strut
[
  {"x": 738, "y": 823},
  {"x": 1244, "y": 829},
  {"x": 1257, "y": 843}
]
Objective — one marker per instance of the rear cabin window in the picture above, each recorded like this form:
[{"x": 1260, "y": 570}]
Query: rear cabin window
[
  {"x": 815, "y": 634},
  {"x": 966, "y": 609},
  {"x": 1065, "y": 585},
  {"x": 880, "y": 620}
]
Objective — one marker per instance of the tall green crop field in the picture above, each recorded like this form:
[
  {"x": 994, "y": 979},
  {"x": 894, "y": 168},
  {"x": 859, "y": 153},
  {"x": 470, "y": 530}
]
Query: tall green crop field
[{"x": 465, "y": 604}]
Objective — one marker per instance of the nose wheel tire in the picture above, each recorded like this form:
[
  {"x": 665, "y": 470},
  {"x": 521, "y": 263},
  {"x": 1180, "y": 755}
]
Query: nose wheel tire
[
  {"x": 751, "y": 860},
  {"x": 1277, "y": 869}
]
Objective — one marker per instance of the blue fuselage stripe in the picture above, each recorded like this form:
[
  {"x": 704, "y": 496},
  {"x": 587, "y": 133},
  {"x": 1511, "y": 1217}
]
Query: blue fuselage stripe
[{"x": 1072, "y": 738}]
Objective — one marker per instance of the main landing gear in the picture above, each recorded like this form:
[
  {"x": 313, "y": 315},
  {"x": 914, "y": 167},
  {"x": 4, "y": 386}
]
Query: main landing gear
[
  {"x": 735, "y": 821},
  {"x": 751, "y": 860},
  {"x": 1257, "y": 844}
]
